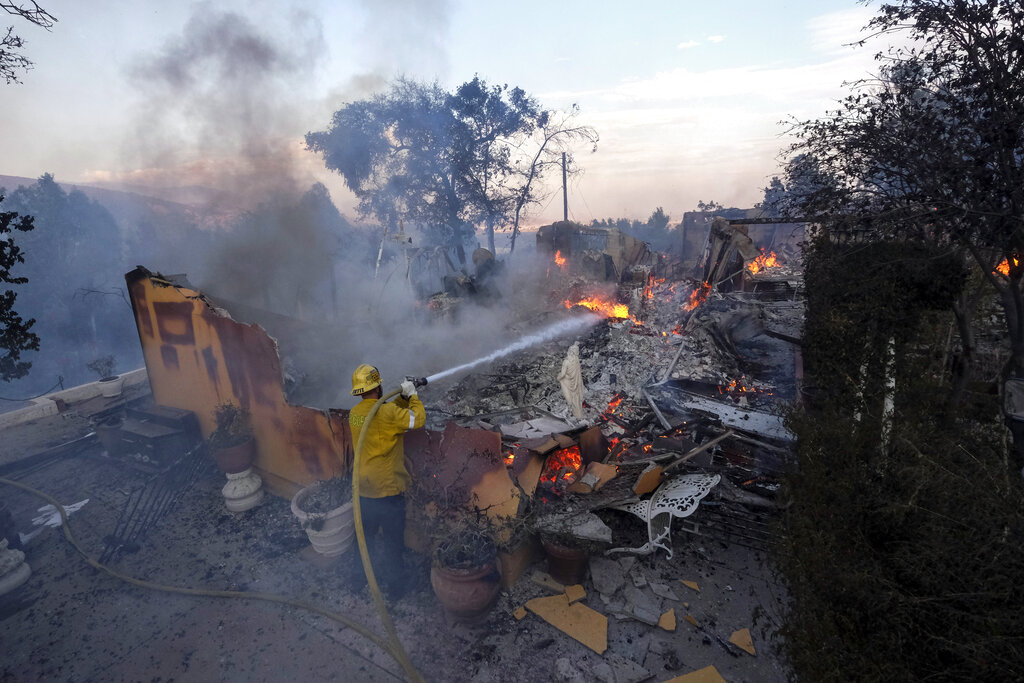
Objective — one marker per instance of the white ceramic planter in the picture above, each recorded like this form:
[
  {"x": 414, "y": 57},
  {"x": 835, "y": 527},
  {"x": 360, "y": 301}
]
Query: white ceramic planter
[
  {"x": 330, "y": 534},
  {"x": 243, "y": 491},
  {"x": 14, "y": 571},
  {"x": 111, "y": 386}
]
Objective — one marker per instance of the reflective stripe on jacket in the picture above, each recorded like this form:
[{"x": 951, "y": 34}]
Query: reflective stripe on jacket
[{"x": 382, "y": 467}]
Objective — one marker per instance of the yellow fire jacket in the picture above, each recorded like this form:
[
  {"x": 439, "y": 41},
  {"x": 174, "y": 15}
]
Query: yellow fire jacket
[{"x": 382, "y": 467}]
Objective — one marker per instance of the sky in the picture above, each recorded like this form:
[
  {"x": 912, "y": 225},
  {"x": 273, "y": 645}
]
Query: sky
[{"x": 689, "y": 98}]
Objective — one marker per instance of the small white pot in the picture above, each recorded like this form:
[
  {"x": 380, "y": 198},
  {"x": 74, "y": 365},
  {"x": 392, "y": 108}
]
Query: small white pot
[{"x": 111, "y": 386}]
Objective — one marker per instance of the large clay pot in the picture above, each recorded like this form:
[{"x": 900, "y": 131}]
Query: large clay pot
[
  {"x": 329, "y": 533},
  {"x": 235, "y": 459},
  {"x": 467, "y": 595},
  {"x": 566, "y": 565}
]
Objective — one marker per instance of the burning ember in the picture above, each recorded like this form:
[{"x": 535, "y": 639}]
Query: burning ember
[
  {"x": 607, "y": 308},
  {"x": 560, "y": 260},
  {"x": 763, "y": 262},
  {"x": 1004, "y": 267},
  {"x": 737, "y": 387},
  {"x": 697, "y": 296},
  {"x": 613, "y": 404},
  {"x": 562, "y": 467}
]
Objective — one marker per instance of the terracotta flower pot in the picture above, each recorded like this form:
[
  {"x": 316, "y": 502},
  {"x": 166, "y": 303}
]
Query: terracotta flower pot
[
  {"x": 566, "y": 565},
  {"x": 235, "y": 459},
  {"x": 467, "y": 595}
]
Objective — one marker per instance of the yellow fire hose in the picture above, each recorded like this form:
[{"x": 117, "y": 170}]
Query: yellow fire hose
[{"x": 391, "y": 645}]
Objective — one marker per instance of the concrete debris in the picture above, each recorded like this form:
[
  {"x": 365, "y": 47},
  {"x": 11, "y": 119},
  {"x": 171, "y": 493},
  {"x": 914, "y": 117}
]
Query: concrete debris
[
  {"x": 586, "y": 526},
  {"x": 649, "y": 617},
  {"x": 602, "y": 673},
  {"x": 642, "y": 606},
  {"x": 638, "y": 577},
  {"x": 565, "y": 672},
  {"x": 626, "y": 670},
  {"x": 537, "y": 428},
  {"x": 663, "y": 591},
  {"x": 607, "y": 575},
  {"x": 627, "y": 563}
]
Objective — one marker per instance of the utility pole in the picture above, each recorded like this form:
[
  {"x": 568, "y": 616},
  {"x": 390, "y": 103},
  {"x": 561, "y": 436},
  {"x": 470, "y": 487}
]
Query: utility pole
[{"x": 565, "y": 193}]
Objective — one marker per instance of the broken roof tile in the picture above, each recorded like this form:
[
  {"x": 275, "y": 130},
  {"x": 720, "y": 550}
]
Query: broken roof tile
[
  {"x": 583, "y": 624},
  {"x": 648, "y": 480},
  {"x": 668, "y": 620},
  {"x": 708, "y": 674},
  {"x": 575, "y": 592},
  {"x": 743, "y": 641}
]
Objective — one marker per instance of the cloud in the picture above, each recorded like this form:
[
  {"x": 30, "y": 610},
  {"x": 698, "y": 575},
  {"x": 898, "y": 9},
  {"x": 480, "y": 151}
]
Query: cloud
[
  {"x": 687, "y": 44},
  {"x": 715, "y": 39},
  {"x": 832, "y": 33}
]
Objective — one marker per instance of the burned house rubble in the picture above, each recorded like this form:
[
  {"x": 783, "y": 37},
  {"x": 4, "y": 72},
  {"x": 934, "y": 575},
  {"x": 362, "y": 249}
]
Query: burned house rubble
[{"x": 660, "y": 459}]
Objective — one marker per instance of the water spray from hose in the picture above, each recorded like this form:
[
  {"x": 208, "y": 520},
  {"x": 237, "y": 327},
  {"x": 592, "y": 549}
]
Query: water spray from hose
[{"x": 542, "y": 335}]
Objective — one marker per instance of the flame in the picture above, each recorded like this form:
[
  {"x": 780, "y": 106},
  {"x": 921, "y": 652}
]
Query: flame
[
  {"x": 560, "y": 260},
  {"x": 763, "y": 262},
  {"x": 652, "y": 282},
  {"x": 613, "y": 404},
  {"x": 737, "y": 386},
  {"x": 1004, "y": 267},
  {"x": 607, "y": 308},
  {"x": 697, "y": 296},
  {"x": 562, "y": 465}
]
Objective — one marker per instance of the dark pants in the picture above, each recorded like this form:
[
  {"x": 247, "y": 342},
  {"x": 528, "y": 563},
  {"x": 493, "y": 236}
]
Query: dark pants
[{"x": 388, "y": 515}]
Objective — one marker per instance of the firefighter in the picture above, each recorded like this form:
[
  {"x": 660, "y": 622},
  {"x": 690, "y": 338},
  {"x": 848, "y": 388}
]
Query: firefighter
[{"x": 383, "y": 477}]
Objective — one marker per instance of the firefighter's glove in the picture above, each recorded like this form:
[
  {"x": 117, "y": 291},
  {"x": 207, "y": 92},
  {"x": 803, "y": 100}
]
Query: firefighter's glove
[{"x": 408, "y": 389}]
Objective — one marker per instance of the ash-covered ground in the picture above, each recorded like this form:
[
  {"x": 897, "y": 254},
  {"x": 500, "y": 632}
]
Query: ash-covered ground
[{"x": 73, "y": 622}]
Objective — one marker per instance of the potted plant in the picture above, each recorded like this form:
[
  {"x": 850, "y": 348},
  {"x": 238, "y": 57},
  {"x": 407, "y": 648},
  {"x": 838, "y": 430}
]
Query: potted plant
[
  {"x": 110, "y": 382},
  {"x": 233, "y": 449},
  {"x": 464, "y": 570},
  {"x": 324, "y": 509},
  {"x": 568, "y": 556}
]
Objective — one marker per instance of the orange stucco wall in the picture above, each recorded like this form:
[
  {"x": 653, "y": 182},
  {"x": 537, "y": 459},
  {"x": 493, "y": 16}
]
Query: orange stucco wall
[{"x": 198, "y": 357}]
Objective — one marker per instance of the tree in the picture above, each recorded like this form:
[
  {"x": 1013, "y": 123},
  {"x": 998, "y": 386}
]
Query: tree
[
  {"x": 15, "y": 333},
  {"x": 11, "y": 61},
  {"x": 446, "y": 161},
  {"x": 932, "y": 148}
]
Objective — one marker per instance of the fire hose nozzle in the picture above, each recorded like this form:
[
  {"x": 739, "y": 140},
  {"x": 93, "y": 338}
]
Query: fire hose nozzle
[{"x": 417, "y": 381}]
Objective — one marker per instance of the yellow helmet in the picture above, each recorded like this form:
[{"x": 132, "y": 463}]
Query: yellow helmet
[{"x": 365, "y": 378}]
